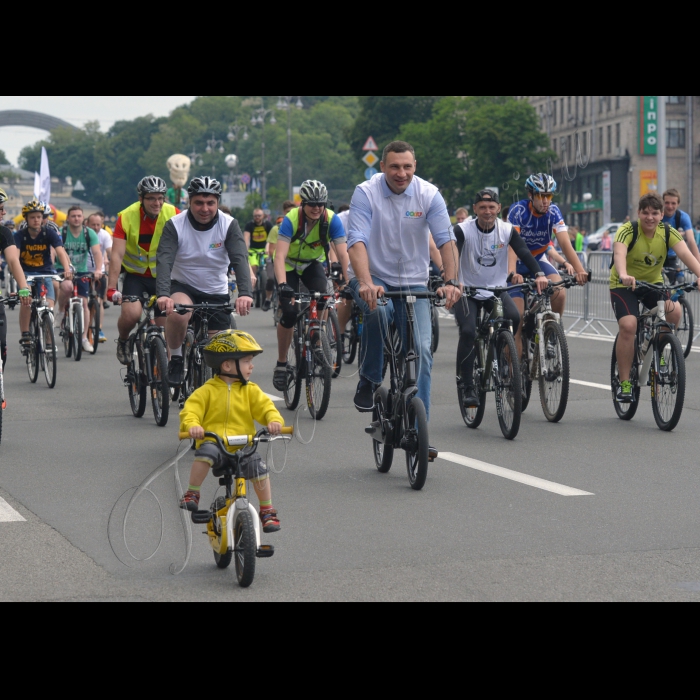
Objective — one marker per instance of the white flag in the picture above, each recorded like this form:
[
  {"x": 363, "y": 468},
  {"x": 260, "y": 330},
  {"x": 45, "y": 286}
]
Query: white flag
[
  {"x": 45, "y": 178},
  {"x": 37, "y": 186}
]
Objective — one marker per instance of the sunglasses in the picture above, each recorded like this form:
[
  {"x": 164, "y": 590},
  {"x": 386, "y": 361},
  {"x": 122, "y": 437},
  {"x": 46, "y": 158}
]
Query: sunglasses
[
  {"x": 316, "y": 205},
  {"x": 548, "y": 197}
]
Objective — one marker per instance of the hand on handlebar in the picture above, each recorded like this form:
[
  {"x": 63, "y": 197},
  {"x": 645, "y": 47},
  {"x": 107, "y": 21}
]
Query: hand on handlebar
[
  {"x": 166, "y": 305},
  {"x": 197, "y": 433},
  {"x": 369, "y": 293},
  {"x": 516, "y": 279},
  {"x": 114, "y": 296},
  {"x": 68, "y": 275},
  {"x": 451, "y": 294},
  {"x": 628, "y": 281},
  {"x": 569, "y": 268},
  {"x": 274, "y": 429},
  {"x": 582, "y": 278},
  {"x": 542, "y": 283},
  {"x": 98, "y": 276}
]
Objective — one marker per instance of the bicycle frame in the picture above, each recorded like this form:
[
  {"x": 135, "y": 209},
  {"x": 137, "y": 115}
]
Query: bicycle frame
[
  {"x": 651, "y": 321},
  {"x": 543, "y": 314}
]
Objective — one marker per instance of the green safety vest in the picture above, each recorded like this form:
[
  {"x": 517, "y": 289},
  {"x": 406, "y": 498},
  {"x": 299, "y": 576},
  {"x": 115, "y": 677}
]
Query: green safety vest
[
  {"x": 137, "y": 260},
  {"x": 305, "y": 250}
]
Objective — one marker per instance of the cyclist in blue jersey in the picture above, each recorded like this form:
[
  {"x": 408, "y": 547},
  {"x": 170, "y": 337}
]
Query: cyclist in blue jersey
[
  {"x": 679, "y": 220},
  {"x": 538, "y": 220}
]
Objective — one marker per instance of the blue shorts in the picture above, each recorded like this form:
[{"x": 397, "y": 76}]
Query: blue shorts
[
  {"x": 83, "y": 288},
  {"x": 523, "y": 270},
  {"x": 48, "y": 283}
]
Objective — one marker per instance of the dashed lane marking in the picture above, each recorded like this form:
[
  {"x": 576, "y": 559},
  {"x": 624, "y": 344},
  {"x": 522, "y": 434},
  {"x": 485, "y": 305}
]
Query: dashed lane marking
[
  {"x": 274, "y": 399},
  {"x": 525, "y": 479},
  {"x": 591, "y": 385},
  {"x": 8, "y": 514}
]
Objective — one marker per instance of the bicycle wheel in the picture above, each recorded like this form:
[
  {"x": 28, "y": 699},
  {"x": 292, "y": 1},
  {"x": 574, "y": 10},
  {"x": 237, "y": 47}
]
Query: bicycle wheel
[
  {"x": 473, "y": 417},
  {"x": 350, "y": 343},
  {"x": 67, "y": 337},
  {"x": 33, "y": 351},
  {"x": 383, "y": 454},
  {"x": 95, "y": 323},
  {"x": 418, "y": 457},
  {"x": 436, "y": 330},
  {"x": 245, "y": 549},
  {"x": 393, "y": 347},
  {"x": 295, "y": 368},
  {"x": 527, "y": 382},
  {"x": 160, "y": 391},
  {"x": 668, "y": 386},
  {"x": 686, "y": 329},
  {"x": 509, "y": 386},
  {"x": 187, "y": 388},
  {"x": 332, "y": 328},
  {"x": 555, "y": 375},
  {"x": 625, "y": 411},
  {"x": 77, "y": 333},
  {"x": 223, "y": 561},
  {"x": 50, "y": 350},
  {"x": 136, "y": 376},
  {"x": 319, "y": 377}
]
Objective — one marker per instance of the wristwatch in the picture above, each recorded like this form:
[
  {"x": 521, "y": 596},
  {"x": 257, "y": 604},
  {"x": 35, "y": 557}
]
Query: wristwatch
[
  {"x": 540, "y": 274},
  {"x": 452, "y": 283}
]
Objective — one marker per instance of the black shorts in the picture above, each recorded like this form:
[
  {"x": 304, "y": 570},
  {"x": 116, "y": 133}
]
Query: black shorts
[
  {"x": 142, "y": 287},
  {"x": 314, "y": 279},
  {"x": 219, "y": 320},
  {"x": 625, "y": 302}
]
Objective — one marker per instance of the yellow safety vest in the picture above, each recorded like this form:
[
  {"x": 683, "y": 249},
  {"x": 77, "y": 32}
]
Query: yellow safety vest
[
  {"x": 306, "y": 250},
  {"x": 137, "y": 260}
]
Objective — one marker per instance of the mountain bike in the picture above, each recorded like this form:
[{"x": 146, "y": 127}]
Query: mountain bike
[
  {"x": 41, "y": 351},
  {"x": 10, "y": 283},
  {"x": 354, "y": 330},
  {"x": 73, "y": 324},
  {"x": 233, "y": 524},
  {"x": 197, "y": 372},
  {"x": 400, "y": 417},
  {"x": 95, "y": 316},
  {"x": 11, "y": 303},
  {"x": 309, "y": 358},
  {"x": 659, "y": 363},
  {"x": 496, "y": 368},
  {"x": 435, "y": 284},
  {"x": 545, "y": 356},
  {"x": 332, "y": 328},
  {"x": 260, "y": 292},
  {"x": 686, "y": 328},
  {"x": 148, "y": 365}
]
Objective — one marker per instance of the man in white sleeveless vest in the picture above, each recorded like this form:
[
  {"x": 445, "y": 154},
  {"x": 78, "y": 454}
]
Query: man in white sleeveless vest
[
  {"x": 194, "y": 256},
  {"x": 391, "y": 219}
]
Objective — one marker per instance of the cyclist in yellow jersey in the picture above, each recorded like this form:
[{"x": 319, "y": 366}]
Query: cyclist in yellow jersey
[{"x": 641, "y": 250}]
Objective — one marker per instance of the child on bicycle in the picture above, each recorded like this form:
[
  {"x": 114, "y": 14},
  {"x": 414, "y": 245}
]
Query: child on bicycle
[{"x": 228, "y": 405}]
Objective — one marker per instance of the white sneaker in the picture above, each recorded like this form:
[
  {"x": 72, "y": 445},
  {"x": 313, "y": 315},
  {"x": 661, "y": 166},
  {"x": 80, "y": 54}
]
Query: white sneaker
[{"x": 86, "y": 346}]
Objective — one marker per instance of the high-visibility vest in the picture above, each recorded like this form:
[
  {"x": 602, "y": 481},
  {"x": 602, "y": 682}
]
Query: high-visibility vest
[
  {"x": 137, "y": 260},
  {"x": 306, "y": 249}
]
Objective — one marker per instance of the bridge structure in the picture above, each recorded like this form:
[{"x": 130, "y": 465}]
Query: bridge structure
[{"x": 36, "y": 120}]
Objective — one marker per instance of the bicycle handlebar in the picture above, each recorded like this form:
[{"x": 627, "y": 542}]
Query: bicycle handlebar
[
  {"x": 133, "y": 300},
  {"x": 183, "y": 309},
  {"x": 667, "y": 288},
  {"x": 262, "y": 436},
  {"x": 405, "y": 295}
]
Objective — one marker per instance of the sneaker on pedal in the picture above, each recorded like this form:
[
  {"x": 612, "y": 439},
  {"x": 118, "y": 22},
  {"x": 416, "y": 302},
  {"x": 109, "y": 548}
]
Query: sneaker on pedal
[
  {"x": 190, "y": 501},
  {"x": 270, "y": 521},
  {"x": 433, "y": 453},
  {"x": 176, "y": 371},
  {"x": 103, "y": 337},
  {"x": 123, "y": 352},
  {"x": 663, "y": 368},
  {"x": 625, "y": 393},
  {"x": 280, "y": 380},
  {"x": 25, "y": 343},
  {"x": 267, "y": 305},
  {"x": 87, "y": 346},
  {"x": 364, "y": 398},
  {"x": 470, "y": 399}
]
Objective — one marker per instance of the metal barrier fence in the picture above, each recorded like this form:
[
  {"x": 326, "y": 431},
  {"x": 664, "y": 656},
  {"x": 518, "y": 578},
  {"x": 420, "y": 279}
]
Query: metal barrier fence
[{"x": 590, "y": 309}]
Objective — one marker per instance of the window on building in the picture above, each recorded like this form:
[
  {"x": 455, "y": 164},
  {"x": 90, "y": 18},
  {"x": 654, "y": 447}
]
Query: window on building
[
  {"x": 675, "y": 133},
  {"x": 609, "y": 138},
  {"x": 618, "y": 135},
  {"x": 675, "y": 99},
  {"x": 585, "y": 108},
  {"x": 601, "y": 145},
  {"x": 568, "y": 110},
  {"x": 584, "y": 144},
  {"x": 569, "y": 142},
  {"x": 554, "y": 145},
  {"x": 617, "y": 102},
  {"x": 561, "y": 111},
  {"x": 554, "y": 115}
]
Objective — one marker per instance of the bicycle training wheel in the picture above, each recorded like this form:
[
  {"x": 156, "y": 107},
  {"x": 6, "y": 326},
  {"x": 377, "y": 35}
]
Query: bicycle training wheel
[
  {"x": 33, "y": 352},
  {"x": 160, "y": 391},
  {"x": 686, "y": 329},
  {"x": 435, "y": 343},
  {"x": 625, "y": 411},
  {"x": 136, "y": 376},
  {"x": 319, "y": 377},
  {"x": 50, "y": 350},
  {"x": 245, "y": 549},
  {"x": 668, "y": 386},
  {"x": 417, "y": 459},
  {"x": 473, "y": 417},
  {"x": 94, "y": 330},
  {"x": 509, "y": 386},
  {"x": 555, "y": 375},
  {"x": 383, "y": 454},
  {"x": 295, "y": 365},
  {"x": 335, "y": 340},
  {"x": 77, "y": 336}
]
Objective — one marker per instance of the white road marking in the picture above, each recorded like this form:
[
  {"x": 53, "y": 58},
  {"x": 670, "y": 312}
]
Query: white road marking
[
  {"x": 8, "y": 514},
  {"x": 591, "y": 385},
  {"x": 533, "y": 481},
  {"x": 275, "y": 399}
]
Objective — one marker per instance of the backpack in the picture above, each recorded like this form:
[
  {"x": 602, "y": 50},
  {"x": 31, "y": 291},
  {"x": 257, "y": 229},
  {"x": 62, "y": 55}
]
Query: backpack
[
  {"x": 86, "y": 233},
  {"x": 635, "y": 238}
]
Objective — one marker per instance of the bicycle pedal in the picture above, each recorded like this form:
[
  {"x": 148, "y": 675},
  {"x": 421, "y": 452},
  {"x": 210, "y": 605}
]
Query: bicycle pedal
[
  {"x": 201, "y": 517},
  {"x": 372, "y": 430},
  {"x": 266, "y": 552}
]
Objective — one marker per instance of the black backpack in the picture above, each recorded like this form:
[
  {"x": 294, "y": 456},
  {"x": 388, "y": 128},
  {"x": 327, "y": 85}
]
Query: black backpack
[{"x": 635, "y": 238}]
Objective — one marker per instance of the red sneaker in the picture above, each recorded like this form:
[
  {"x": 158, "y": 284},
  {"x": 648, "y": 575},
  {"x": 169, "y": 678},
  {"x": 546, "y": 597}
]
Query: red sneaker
[
  {"x": 270, "y": 521},
  {"x": 191, "y": 501}
]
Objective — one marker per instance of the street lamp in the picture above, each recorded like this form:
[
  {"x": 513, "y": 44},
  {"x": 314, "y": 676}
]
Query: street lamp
[
  {"x": 235, "y": 129},
  {"x": 196, "y": 158},
  {"x": 258, "y": 119},
  {"x": 285, "y": 102}
]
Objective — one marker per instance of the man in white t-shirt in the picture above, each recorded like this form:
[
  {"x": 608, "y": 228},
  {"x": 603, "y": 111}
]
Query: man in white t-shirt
[{"x": 97, "y": 223}]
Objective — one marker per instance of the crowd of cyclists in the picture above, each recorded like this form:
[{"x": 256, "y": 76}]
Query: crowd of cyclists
[{"x": 396, "y": 228}]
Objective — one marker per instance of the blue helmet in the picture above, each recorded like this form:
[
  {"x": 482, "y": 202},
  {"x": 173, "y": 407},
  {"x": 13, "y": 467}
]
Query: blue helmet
[{"x": 541, "y": 183}]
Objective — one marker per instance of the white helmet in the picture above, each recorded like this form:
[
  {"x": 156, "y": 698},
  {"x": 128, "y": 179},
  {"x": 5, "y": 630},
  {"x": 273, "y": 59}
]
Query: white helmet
[{"x": 314, "y": 192}]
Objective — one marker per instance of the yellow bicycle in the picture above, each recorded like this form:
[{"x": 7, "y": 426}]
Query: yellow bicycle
[{"x": 233, "y": 525}]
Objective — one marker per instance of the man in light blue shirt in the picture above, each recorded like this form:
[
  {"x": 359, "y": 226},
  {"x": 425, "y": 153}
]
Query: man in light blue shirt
[
  {"x": 680, "y": 220},
  {"x": 392, "y": 217}
]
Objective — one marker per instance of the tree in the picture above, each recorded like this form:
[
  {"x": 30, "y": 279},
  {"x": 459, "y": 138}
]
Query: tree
[
  {"x": 479, "y": 141},
  {"x": 3, "y": 159}
]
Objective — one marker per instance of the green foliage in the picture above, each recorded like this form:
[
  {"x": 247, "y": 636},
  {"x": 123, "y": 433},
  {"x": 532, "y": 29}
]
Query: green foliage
[
  {"x": 3, "y": 158},
  {"x": 479, "y": 141}
]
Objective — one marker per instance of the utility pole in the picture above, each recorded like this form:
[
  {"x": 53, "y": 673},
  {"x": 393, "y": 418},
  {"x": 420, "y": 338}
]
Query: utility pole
[
  {"x": 661, "y": 146},
  {"x": 259, "y": 118},
  {"x": 285, "y": 102}
]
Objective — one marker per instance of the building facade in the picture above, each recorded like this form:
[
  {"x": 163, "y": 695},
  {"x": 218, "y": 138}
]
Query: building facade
[{"x": 606, "y": 148}]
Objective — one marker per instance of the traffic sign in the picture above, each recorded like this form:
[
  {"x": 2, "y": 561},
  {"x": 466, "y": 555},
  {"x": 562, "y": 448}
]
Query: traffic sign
[
  {"x": 371, "y": 159},
  {"x": 370, "y": 173},
  {"x": 266, "y": 205},
  {"x": 371, "y": 145},
  {"x": 246, "y": 179}
]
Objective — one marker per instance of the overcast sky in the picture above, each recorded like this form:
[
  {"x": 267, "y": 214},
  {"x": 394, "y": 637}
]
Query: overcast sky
[{"x": 78, "y": 109}]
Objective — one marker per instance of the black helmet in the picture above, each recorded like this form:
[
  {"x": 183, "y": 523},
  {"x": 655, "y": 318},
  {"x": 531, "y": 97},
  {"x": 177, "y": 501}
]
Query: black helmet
[
  {"x": 205, "y": 185},
  {"x": 152, "y": 185}
]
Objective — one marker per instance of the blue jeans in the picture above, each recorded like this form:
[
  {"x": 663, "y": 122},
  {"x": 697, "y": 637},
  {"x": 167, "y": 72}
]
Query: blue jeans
[{"x": 376, "y": 328}]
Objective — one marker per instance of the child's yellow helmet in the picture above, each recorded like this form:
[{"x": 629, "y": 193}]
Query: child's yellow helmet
[{"x": 230, "y": 345}]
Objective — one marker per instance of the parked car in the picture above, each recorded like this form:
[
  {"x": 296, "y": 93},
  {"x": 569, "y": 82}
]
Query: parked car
[{"x": 595, "y": 238}]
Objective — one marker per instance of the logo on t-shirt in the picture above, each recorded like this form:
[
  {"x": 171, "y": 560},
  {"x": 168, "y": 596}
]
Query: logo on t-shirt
[
  {"x": 216, "y": 246},
  {"x": 414, "y": 214}
]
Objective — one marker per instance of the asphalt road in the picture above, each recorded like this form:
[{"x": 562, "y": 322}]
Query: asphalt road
[{"x": 351, "y": 534}]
